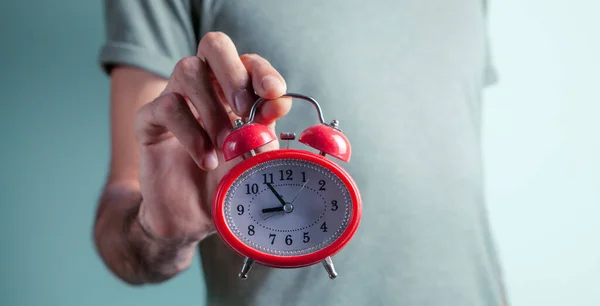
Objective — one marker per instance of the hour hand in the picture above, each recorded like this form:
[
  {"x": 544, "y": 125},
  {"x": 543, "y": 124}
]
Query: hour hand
[
  {"x": 272, "y": 209},
  {"x": 277, "y": 195}
]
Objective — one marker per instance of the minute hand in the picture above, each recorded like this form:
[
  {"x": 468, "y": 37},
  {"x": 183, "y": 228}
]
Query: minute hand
[{"x": 276, "y": 194}]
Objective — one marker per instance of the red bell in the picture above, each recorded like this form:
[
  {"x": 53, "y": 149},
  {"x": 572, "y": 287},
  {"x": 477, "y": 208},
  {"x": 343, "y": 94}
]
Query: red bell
[
  {"x": 328, "y": 140},
  {"x": 245, "y": 139}
]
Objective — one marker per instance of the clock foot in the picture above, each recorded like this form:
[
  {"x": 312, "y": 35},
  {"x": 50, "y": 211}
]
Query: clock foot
[
  {"x": 246, "y": 267},
  {"x": 328, "y": 264}
]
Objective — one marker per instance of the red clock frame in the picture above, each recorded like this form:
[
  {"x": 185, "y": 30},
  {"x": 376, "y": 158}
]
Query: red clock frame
[{"x": 277, "y": 261}]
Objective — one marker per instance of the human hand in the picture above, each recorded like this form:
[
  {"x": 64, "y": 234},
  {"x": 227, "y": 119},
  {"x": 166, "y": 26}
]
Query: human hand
[{"x": 180, "y": 133}]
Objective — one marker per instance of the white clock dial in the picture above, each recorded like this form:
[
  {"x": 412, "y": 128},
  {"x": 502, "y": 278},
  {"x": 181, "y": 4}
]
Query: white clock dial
[{"x": 288, "y": 207}]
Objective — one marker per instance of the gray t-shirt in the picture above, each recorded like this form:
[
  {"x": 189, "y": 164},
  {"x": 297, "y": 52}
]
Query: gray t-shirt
[{"x": 404, "y": 78}]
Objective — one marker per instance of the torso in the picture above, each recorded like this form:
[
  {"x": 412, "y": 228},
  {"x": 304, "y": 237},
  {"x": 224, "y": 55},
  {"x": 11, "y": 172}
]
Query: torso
[{"x": 404, "y": 80}]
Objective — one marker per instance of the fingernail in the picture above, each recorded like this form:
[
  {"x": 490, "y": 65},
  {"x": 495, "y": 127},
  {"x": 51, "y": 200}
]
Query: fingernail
[
  {"x": 270, "y": 83},
  {"x": 210, "y": 161},
  {"x": 243, "y": 101}
]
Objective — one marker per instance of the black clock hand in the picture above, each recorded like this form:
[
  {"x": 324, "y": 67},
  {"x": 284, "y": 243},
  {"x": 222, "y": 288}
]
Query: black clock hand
[
  {"x": 276, "y": 194},
  {"x": 272, "y": 209}
]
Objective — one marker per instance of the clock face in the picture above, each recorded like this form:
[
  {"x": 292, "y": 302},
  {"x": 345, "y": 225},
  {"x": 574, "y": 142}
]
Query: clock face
[{"x": 287, "y": 207}]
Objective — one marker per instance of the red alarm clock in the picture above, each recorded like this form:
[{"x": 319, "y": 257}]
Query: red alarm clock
[{"x": 287, "y": 208}]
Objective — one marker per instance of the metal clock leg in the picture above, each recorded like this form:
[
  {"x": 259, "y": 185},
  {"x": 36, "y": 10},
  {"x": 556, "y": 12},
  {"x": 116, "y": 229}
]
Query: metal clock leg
[
  {"x": 328, "y": 264},
  {"x": 246, "y": 267}
]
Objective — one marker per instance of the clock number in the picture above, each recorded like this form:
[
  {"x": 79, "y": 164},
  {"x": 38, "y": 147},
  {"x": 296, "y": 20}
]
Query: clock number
[
  {"x": 303, "y": 177},
  {"x": 334, "y": 205},
  {"x": 269, "y": 180},
  {"x": 322, "y": 183},
  {"x": 288, "y": 173},
  {"x": 240, "y": 209},
  {"x": 253, "y": 189},
  {"x": 324, "y": 227},
  {"x": 305, "y": 239},
  {"x": 288, "y": 239},
  {"x": 272, "y": 236},
  {"x": 251, "y": 230}
]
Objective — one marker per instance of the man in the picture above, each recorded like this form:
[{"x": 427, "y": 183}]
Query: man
[{"x": 403, "y": 78}]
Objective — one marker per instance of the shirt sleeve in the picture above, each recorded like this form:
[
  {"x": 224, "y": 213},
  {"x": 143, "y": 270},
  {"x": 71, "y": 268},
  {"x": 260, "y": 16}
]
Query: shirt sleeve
[{"x": 151, "y": 35}]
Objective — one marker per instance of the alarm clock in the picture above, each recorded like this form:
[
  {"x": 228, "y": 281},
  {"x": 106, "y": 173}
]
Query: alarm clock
[{"x": 287, "y": 208}]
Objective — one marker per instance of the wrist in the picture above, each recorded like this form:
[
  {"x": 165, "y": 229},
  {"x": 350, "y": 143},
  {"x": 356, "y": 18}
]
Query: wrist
[
  {"x": 145, "y": 224},
  {"x": 158, "y": 258}
]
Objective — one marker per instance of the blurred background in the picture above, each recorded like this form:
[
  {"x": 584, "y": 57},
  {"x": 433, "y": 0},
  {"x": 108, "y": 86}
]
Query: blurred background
[{"x": 540, "y": 132}]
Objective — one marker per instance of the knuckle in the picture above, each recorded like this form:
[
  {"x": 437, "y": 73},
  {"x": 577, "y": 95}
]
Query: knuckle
[
  {"x": 169, "y": 105},
  {"x": 188, "y": 67},
  {"x": 257, "y": 62},
  {"x": 142, "y": 117},
  {"x": 249, "y": 56},
  {"x": 214, "y": 41}
]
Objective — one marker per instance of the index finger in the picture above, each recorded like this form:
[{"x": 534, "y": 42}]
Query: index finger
[{"x": 233, "y": 77}]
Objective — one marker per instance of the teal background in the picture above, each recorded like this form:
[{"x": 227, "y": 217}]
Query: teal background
[
  {"x": 540, "y": 140},
  {"x": 54, "y": 151},
  {"x": 542, "y": 149}
]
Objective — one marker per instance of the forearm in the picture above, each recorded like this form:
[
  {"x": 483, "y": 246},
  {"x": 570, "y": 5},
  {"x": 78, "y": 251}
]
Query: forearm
[{"x": 127, "y": 248}]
